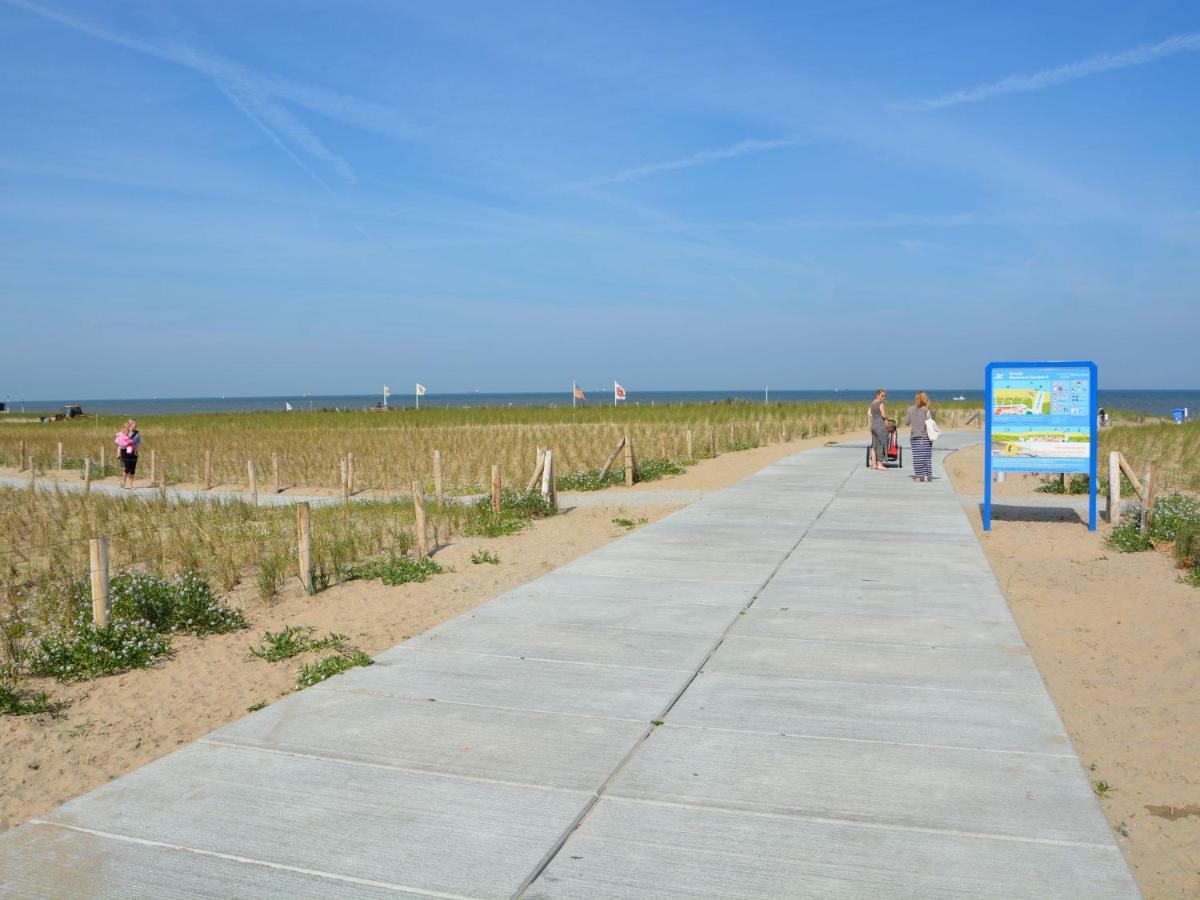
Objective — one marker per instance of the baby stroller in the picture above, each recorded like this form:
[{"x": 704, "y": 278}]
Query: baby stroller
[{"x": 895, "y": 453}]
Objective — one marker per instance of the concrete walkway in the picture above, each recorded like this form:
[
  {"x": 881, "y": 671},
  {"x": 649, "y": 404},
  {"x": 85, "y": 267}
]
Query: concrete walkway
[{"x": 805, "y": 685}]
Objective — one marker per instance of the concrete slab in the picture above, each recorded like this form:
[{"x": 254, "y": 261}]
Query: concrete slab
[
  {"x": 874, "y": 712},
  {"x": 996, "y": 631},
  {"x": 652, "y": 590},
  {"x": 445, "y": 738},
  {"x": 866, "y": 599},
  {"x": 946, "y": 668},
  {"x": 627, "y": 850},
  {"x": 673, "y": 570},
  {"x": 666, "y": 615},
  {"x": 93, "y": 865},
  {"x": 508, "y": 683},
  {"x": 596, "y": 644},
  {"x": 1012, "y": 794},
  {"x": 418, "y": 833}
]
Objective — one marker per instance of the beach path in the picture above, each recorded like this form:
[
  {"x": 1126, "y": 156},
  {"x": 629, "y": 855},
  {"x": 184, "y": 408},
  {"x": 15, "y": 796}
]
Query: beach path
[{"x": 805, "y": 685}]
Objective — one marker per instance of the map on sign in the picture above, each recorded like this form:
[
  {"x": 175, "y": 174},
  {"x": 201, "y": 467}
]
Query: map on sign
[{"x": 1041, "y": 419}]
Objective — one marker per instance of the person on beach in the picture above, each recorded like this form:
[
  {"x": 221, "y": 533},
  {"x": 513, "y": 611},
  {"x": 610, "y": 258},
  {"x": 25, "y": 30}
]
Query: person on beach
[
  {"x": 919, "y": 443},
  {"x": 128, "y": 439},
  {"x": 877, "y": 422}
]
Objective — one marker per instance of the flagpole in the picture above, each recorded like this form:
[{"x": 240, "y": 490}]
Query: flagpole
[
  {"x": 574, "y": 388},
  {"x": 417, "y": 395}
]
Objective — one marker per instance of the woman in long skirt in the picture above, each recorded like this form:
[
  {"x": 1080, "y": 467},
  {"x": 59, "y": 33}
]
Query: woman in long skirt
[
  {"x": 919, "y": 443},
  {"x": 877, "y": 422}
]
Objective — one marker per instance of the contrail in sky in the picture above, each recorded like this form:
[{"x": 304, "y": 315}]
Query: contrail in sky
[
  {"x": 1037, "y": 81},
  {"x": 700, "y": 158}
]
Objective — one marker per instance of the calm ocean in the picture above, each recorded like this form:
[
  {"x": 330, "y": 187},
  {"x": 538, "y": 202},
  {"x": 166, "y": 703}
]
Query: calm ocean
[{"x": 1152, "y": 402}]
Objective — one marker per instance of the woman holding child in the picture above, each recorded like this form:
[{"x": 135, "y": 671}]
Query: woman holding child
[{"x": 128, "y": 440}]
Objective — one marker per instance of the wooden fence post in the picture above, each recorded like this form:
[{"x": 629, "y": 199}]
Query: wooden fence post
[
  {"x": 98, "y": 551},
  {"x": 32, "y": 473},
  {"x": 87, "y": 476},
  {"x": 153, "y": 466},
  {"x": 252, "y": 477},
  {"x": 21, "y": 450},
  {"x": 438, "y": 490},
  {"x": 1148, "y": 498},
  {"x": 162, "y": 479},
  {"x": 690, "y": 454},
  {"x": 304, "y": 545},
  {"x": 758, "y": 433},
  {"x": 345, "y": 483},
  {"x": 712, "y": 440},
  {"x": 629, "y": 475},
  {"x": 350, "y": 472},
  {"x": 60, "y": 456},
  {"x": 732, "y": 436},
  {"x": 538, "y": 467},
  {"x": 275, "y": 473},
  {"x": 418, "y": 492},
  {"x": 549, "y": 481},
  {"x": 496, "y": 490},
  {"x": 1114, "y": 488},
  {"x": 208, "y": 470}
]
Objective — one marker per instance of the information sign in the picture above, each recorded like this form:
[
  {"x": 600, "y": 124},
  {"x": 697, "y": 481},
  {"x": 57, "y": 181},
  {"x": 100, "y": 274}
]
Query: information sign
[{"x": 1041, "y": 417}]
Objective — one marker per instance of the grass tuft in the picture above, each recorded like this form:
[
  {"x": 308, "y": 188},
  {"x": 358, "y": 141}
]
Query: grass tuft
[{"x": 330, "y": 666}]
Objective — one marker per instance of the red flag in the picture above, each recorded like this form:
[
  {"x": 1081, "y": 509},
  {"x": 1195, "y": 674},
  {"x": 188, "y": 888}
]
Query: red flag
[
  {"x": 579, "y": 395},
  {"x": 618, "y": 392}
]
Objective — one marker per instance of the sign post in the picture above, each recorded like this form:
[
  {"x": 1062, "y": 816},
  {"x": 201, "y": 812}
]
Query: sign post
[{"x": 1041, "y": 417}]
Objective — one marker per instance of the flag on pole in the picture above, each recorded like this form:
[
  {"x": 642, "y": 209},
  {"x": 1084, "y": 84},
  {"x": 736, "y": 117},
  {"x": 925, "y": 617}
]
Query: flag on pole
[
  {"x": 618, "y": 392},
  {"x": 579, "y": 394},
  {"x": 287, "y": 406},
  {"x": 387, "y": 391},
  {"x": 420, "y": 390}
]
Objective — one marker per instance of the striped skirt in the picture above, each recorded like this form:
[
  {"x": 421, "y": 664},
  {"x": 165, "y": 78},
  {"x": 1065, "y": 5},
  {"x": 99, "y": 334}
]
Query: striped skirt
[{"x": 922, "y": 456}]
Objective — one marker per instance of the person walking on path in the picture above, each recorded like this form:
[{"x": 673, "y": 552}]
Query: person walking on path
[
  {"x": 877, "y": 422},
  {"x": 128, "y": 440},
  {"x": 919, "y": 442}
]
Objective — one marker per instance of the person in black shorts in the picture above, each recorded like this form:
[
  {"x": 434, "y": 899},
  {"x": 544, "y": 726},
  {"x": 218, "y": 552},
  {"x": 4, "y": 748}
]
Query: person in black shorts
[{"x": 128, "y": 441}]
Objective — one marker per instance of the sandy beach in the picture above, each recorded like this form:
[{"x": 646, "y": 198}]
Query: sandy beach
[{"x": 1115, "y": 638}]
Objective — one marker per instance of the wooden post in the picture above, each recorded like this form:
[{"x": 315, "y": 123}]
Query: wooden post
[
  {"x": 758, "y": 433},
  {"x": 418, "y": 491},
  {"x": 1148, "y": 498},
  {"x": 538, "y": 466},
  {"x": 1066, "y": 485},
  {"x": 103, "y": 462},
  {"x": 162, "y": 479},
  {"x": 712, "y": 440},
  {"x": 350, "y": 474},
  {"x": 87, "y": 476},
  {"x": 496, "y": 488},
  {"x": 1114, "y": 488},
  {"x": 304, "y": 544},
  {"x": 690, "y": 454},
  {"x": 811, "y": 431},
  {"x": 612, "y": 457},
  {"x": 21, "y": 451},
  {"x": 208, "y": 470},
  {"x": 732, "y": 439},
  {"x": 629, "y": 479},
  {"x": 275, "y": 473},
  {"x": 98, "y": 551},
  {"x": 153, "y": 466},
  {"x": 345, "y": 483},
  {"x": 60, "y": 456},
  {"x": 252, "y": 477},
  {"x": 32, "y": 474},
  {"x": 438, "y": 490},
  {"x": 549, "y": 484}
]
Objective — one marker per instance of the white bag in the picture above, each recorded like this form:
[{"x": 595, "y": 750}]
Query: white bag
[{"x": 931, "y": 429}]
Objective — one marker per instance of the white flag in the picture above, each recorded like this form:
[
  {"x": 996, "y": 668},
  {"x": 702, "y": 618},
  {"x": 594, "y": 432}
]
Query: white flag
[
  {"x": 387, "y": 391},
  {"x": 420, "y": 390},
  {"x": 618, "y": 392},
  {"x": 287, "y": 406}
]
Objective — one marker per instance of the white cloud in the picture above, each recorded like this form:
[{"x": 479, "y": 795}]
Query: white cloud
[{"x": 1037, "y": 81}]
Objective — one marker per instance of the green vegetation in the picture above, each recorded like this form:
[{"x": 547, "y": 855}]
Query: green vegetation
[
  {"x": 517, "y": 510},
  {"x": 183, "y": 603},
  {"x": 395, "y": 570},
  {"x": 1102, "y": 788},
  {"x": 481, "y": 557},
  {"x": 15, "y": 702},
  {"x": 1128, "y": 538},
  {"x": 1052, "y": 484},
  {"x": 330, "y": 666},
  {"x": 1171, "y": 513},
  {"x": 82, "y": 650},
  {"x": 293, "y": 640},
  {"x": 628, "y": 523},
  {"x": 255, "y": 707}
]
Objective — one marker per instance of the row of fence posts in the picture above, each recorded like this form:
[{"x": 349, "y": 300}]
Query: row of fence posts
[{"x": 158, "y": 465}]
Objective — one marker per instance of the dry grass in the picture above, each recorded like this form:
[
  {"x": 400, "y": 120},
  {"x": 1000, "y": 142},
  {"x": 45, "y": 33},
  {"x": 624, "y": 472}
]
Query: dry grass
[
  {"x": 1174, "y": 450},
  {"x": 394, "y": 449}
]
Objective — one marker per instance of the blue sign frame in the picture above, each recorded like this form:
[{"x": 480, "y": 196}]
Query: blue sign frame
[{"x": 1066, "y": 422}]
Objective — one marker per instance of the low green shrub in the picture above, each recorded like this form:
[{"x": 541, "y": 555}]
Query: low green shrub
[
  {"x": 15, "y": 702},
  {"x": 1172, "y": 512},
  {"x": 1128, "y": 538},
  {"x": 656, "y": 467},
  {"x": 589, "y": 480},
  {"x": 480, "y": 557},
  {"x": 293, "y": 640},
  {"x": 1187, "y": 545},
  {"x": 183, "y": 603},
  {"x": 397, "y": 570},
  {"x": 1053, "y": 484},
  {"x": 517, "y": 510},
  {"x": 82, "y": 650},
  {"x": 330, "y": 666}
]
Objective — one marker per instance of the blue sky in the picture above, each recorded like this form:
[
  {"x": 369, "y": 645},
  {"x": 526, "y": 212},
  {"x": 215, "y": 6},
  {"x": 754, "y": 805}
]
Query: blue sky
[{"x": 274, "y": 197}]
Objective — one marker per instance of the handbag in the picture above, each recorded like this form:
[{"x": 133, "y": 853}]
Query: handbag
[{"x": 931, "y": 428}]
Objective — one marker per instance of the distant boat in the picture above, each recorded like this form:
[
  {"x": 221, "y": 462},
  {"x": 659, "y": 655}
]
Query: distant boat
[{"x": 959, "y": 397}]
